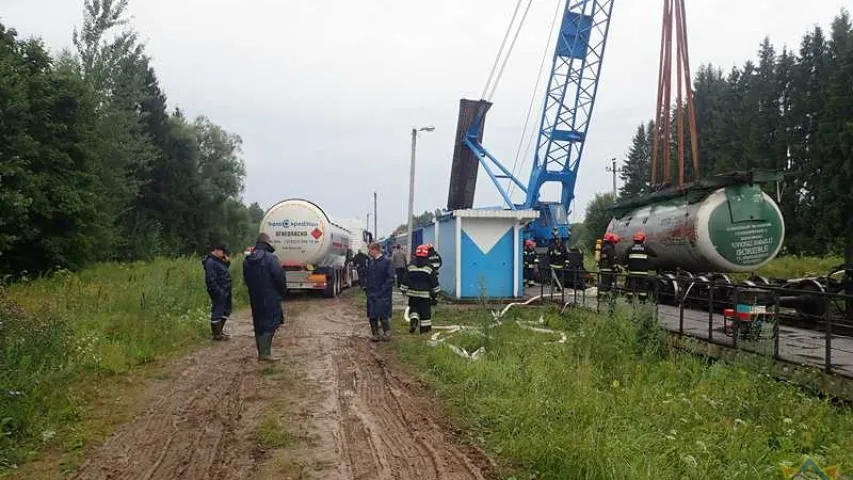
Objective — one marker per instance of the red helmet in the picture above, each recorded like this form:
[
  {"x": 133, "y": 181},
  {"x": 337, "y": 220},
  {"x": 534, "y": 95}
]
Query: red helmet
[
  {"x": 639, "y": 237},
  {"x": 611, "y": 237},
  {"x": 422, "y": 251},
  {"x": 529, "y": 243}
]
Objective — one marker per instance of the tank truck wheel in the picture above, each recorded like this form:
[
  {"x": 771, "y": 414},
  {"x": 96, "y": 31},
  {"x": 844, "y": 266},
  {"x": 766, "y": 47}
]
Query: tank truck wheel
[
  {"x": 811, "y": 307},
  {"x": 331, "y": 290}
]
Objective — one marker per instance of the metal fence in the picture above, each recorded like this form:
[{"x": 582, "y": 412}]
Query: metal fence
[{"x": 803, "y": 326}]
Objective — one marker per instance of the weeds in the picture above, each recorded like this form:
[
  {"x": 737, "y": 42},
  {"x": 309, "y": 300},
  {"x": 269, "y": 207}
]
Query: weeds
[
  {"x": 61, "y": 335},
  {"x": 271, "y": 433},
  {"x": 614, "y": 402}
]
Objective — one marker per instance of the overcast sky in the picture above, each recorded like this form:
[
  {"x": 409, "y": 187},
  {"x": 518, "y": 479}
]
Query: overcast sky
[{"x": 325, "y": 92}]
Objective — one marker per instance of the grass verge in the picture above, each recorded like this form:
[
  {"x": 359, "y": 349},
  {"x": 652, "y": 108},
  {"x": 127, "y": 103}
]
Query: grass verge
[
  {"x": 63, "y": 337},
  {"x": 614, "y": 402}
]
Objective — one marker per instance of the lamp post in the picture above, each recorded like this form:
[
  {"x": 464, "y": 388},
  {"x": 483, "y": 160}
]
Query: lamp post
[{"x": 415, "y": 131}]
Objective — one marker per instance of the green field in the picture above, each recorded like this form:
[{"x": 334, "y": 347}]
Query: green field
[
  {"x": 615, "y": 402},
  {"x": 62, "y": 336}
]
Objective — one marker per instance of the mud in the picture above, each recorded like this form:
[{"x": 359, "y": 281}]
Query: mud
[{"x": 350, "y": 412}]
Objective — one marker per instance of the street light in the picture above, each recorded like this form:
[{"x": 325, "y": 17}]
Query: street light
[{"x": 415, "y": 131}]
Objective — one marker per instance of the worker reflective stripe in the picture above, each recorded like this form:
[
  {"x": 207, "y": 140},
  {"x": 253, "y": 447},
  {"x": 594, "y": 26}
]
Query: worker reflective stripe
[
  {"x": 638, "y": 273},
  {"x": 426, "y": 270},
  {"x": 418, "y": 294},
  {"x": 556, "y": 267},
  {"x": 426, "y": 323},
  {"x": 436, "y": 290},
  {"x": 638, "y": 256}
]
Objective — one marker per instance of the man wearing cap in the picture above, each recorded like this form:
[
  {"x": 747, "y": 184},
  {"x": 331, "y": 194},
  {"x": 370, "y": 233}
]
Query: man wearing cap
[
  {"x": 265, "y": 280},
  {"x": 217, "y": 278}
]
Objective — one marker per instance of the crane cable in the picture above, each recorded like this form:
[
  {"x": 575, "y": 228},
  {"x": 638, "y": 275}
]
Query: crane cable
[
  {"x": 524, "y": 131},
  {"x": 509, "y": 52},
  {"x": 500, "y": 50},
  {"x": 494, "y": 85}
]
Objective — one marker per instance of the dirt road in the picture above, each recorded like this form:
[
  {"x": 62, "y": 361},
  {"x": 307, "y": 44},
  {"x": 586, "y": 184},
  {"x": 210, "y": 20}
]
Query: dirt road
[{"x": 347, "y": 413}]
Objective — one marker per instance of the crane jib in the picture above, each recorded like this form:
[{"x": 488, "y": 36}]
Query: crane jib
[{"x": 566, "y": 115}]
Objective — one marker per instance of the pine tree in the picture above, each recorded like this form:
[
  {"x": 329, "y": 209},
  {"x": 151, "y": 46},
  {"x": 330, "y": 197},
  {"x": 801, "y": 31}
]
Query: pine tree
[{"x": 636, "y": 168}]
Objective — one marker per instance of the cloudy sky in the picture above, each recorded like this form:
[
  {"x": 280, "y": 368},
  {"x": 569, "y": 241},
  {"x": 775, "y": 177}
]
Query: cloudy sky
[{"x": 325, "y": 92}]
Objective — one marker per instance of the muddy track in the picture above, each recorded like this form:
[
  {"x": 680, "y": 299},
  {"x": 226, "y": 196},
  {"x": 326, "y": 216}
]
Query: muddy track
[{"x": 350, "y": 413}]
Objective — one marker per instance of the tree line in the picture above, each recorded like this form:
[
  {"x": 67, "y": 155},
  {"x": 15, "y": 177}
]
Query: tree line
[
  {"x": 93, "y": 164},
  {"x": 789, "y": 111}
]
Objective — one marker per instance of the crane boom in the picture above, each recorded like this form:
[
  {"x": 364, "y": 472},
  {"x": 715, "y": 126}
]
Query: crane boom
[{"x": 566, "y": 116}]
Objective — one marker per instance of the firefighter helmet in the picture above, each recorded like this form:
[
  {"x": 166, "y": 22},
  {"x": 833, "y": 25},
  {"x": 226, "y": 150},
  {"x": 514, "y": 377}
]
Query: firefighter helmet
[
  {"x": 639, "y": 237},
  {"x": 422, "y": 251}
]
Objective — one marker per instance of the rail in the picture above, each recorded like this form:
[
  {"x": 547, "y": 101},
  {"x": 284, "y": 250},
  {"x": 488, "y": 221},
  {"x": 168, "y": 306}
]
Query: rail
[{"x": 811, "y": 327}]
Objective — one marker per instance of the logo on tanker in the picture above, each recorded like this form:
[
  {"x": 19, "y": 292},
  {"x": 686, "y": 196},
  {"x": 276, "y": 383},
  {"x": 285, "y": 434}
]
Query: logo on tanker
[{"x": 289, "y": 223}]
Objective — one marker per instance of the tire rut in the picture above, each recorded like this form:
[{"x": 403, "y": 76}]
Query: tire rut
[{"x": 350, "y": 415}]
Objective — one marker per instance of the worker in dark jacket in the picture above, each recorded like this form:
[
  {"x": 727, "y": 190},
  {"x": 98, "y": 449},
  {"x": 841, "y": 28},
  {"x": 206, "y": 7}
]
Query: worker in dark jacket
[
  {"x": 637, "y": 263},
  {"x": 557, "y": 257},
  {"x": 217, "y": 278},
  {"x": 607, "y": 263},
  {"x": 380, "y": 288},
  {"x": 531, "y": 262},
  {"x": 434, "y": 259},
  {"x": 360, "y": 262},
  {"x": 267, "y": 286},
  {"x": 420, "y": 285}
]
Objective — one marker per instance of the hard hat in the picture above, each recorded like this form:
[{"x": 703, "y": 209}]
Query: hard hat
[
  {"x": 529, "y": 243},
  {"x": 639, "y": 237},
  {"x": 422, "y": 251}
]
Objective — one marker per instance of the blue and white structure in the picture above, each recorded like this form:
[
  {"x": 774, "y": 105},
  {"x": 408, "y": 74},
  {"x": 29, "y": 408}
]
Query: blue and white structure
[{"x": 481, "y": 251}]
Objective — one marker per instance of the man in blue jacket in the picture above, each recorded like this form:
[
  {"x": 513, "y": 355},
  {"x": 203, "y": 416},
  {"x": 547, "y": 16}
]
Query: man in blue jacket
[
  {"x": 267, "y": 286},
  {"x": 217, "y": 278},
  {"x": 380, "y": 287}
]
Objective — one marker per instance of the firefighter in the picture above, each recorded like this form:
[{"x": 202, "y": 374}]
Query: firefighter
[
  {"x": 420, "y": 286},
  {"x": 531, "y": 262},
  {"x": 434, "y": 259},
  {"x": 557, "y": 258},
  {"x": 607, "y": 263},
  {"x": 637, "y": 263}
]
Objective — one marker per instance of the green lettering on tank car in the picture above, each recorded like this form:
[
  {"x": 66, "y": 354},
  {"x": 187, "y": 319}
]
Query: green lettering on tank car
[{"x": 746, "y": 230}]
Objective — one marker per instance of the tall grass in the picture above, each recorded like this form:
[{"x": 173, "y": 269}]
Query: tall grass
[
  {"x": 614, "y": 402},
  {"x": 61, "y": 333}
]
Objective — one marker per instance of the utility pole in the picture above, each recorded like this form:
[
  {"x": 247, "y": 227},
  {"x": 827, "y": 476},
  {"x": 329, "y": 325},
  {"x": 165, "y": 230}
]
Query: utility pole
[
  {"x": 415, "y": 131},
  {"x": 367, "y": 224},
  {"x": 375, "y": 222},
  {"x": 614, "y": 170}
]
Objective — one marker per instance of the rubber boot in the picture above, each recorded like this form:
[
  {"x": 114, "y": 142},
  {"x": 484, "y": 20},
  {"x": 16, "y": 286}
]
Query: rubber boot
[
  {"x": 265, "y": 348},
  {"x": 374, "y": 330},
  {"x": 216, "y": 331},
  {"x": 222, "y": 332},
  {"x": 413, "y": 324},
  {"x": 386, "y": 330}
]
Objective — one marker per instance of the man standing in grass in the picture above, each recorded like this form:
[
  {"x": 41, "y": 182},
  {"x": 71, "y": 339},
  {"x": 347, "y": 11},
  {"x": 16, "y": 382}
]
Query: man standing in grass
[
  {"x": 217, "y": 278},
  {"x": 380, "y": 288},
  {"x": 267, "y": 286}
]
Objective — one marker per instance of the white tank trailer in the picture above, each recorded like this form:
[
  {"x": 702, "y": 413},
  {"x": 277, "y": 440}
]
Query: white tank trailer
[
  {"x": 315, "y": 251},
  {"x": 734, "y": 228}
]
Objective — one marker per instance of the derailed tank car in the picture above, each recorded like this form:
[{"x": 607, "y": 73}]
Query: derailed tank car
[{"x": 725, "y": 225}]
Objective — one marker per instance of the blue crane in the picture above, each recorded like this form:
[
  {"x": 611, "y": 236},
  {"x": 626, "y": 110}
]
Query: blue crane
[{"x": 566, "y": 116}]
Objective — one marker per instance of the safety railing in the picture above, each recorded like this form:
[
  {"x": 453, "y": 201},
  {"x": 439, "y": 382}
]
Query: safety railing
[{"x": 808, "y": 326}]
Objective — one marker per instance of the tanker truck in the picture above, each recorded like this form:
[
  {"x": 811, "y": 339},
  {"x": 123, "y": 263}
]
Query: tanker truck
[{"x": 314, "y": 251}]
